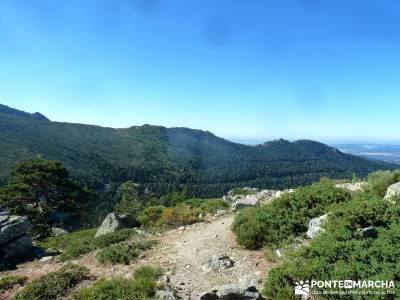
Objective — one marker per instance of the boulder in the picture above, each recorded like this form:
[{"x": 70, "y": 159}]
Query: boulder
[
  {"x": 14, "y": 241},
  {"x": 221, "y": 212},
  {"x": 110, "y": 224},
  {"x": 55, "y": 231},
  {"x": 113, "y": 222},
  {"x": 12, "y": 227},
  {"x": 369, "y": 232},
  {"x": 165, "y": 294},
  {"x": 18, "y": 247},
  {"x": 316, "y": 226},
  {"x": 249, "y": 200},
  {"x": 218, "y": 262},
  {"x": 393, "y": 193},
  {"x": 233, "y": 292}
]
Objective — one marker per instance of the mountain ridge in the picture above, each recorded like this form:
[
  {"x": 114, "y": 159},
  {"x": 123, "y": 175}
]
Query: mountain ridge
[{"x": 172, "y": 158}]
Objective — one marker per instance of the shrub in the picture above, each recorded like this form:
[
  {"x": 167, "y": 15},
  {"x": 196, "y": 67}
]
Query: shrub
[
  {"x": 115, "y": 237},
  {"x": 118, "y": 254},
  {"x": 342, "y": 252},
  {"x": 54, "y": 284},
  {"x": 81, "y": 242},
  {"x": 287, "y": 217},
  {"x": 378, "y": 182},
  {"x": 178, "y": 216},
  {"x": 151, "y": 215},
  {"x": 8, "y": 282},
  {"x": 142, "y": 286}
]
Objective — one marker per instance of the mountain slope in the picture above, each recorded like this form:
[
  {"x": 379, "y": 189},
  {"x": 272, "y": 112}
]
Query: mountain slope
[
  {"x": 15, "y": 112},
  {"x": 165, "y": 158}
]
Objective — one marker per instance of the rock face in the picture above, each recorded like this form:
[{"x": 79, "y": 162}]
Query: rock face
[
  {"x": 233, "y": 292},
  {"x": 254, "y": 197},
  {"x": 14, "y": 241},
  {"x": 393, "y": 193},
  {"x": 218, "y": 262},
  {"x": 113, "y": 222},
  {"x": 316, "y": 226}
]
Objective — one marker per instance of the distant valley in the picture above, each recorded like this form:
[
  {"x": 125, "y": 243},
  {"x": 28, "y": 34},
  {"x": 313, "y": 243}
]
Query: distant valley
[{"x": 384, "y": 152}]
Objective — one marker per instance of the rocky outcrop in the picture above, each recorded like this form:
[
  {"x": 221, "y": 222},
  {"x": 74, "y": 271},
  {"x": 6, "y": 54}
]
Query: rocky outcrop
[
  {"x": 249, "y": 200},
  {"x": 218, "y": 262},
  {"x": 113, "y": 222},
  {"x": 352, "y": 187},
  {"x": 316, "y": 226},
  {"x": 254, "y": 197},
  {"x": 14, "y": 240},
  {"x": 393, "y": 193},
  {"x": 233, "y": 291}
]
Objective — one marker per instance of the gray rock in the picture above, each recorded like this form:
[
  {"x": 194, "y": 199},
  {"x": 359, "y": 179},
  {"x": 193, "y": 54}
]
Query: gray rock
[
  {"x": 221, "y": 212},
  {"x": 17, "y": 247},
  {"x": 166, "y": 294},
  {"x": 218, "y": 262},
  {"x": 352, "y": 187},
  {"x": 55, "y": 231},
  {"x": 4, "y": 215},
  {"x": 251, "y": 279},
  {"x": 113, "y": 222},
  {"x": 393, "y": 193},
  {"x": 12, "y": 227},
  {"x": 316, "y": 226},
  {"x": 233, "y": 292},
  {"x": 249, "y": 200},
  {"x": 369, "y": 232}
]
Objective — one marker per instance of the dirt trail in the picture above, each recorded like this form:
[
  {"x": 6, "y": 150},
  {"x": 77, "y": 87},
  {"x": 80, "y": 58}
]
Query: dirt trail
[
  {"x": 184, "y": 252},
  {"x": 181, "y": 253}
]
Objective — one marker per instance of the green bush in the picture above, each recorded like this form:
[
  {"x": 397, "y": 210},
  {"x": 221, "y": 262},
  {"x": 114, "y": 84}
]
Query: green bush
[
  {"x": 378, "y": 182},
  {"x": 151, "y": 215},
  {"x": 342, "y": 252},
  {"x": 8, "y": 282},
  {"x": 54, "y": 285},
  {"x": 118, "y": 254},
  {"x": 114, "y": 238},
  {"x": 77, "y": 243},
  {"x": 123, "y": 253},
  {"x": 285, "y": 218},
  {"x": 142, "y": 286},
  {"x": 184, "y": 213}
]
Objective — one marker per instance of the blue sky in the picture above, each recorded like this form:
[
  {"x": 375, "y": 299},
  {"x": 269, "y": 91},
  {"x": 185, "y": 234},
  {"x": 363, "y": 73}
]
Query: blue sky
[{"x": 326, "y": 70}]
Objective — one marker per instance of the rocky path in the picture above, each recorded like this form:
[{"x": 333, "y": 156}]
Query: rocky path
[{"x": 185, "y": 252}]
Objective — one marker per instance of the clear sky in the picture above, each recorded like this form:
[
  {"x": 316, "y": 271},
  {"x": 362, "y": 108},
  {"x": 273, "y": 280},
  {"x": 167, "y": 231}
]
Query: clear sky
[{"x": 327, "y": 70}]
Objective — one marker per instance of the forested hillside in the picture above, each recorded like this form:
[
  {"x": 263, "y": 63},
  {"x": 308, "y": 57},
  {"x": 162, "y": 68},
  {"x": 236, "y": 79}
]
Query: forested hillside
[{"x": 167, "y": 159}]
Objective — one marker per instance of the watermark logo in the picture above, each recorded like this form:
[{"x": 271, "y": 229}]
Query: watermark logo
[
  {"x": 344, "y": 287},
  {"x": 302, "y": 288}
]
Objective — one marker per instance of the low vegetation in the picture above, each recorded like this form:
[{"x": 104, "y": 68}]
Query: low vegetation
[
  {"x": 360, "y": 241},
  {"x": 343, "y": 252},
  {"x": 53, "y": 285},
  {"x": 123, "y": 253},
  {"x": 8, "y": 282},
  {"x": 287, "y": 217},
  {"x": 142, "y": 286},
  {"x": 185, "y": 213},
  {"x": 81, "y": 242}
]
